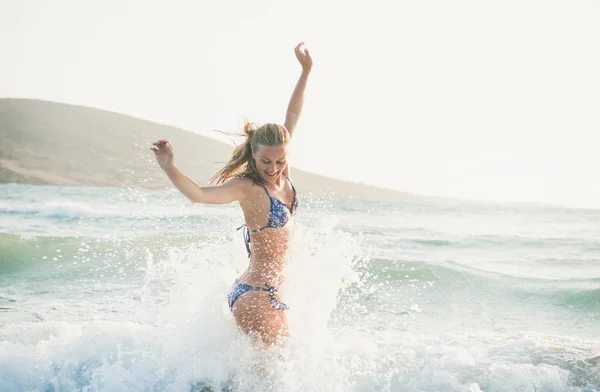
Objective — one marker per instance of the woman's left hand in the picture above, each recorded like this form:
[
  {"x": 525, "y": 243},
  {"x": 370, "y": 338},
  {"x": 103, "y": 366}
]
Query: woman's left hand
[{"x": 303, "y": 56}]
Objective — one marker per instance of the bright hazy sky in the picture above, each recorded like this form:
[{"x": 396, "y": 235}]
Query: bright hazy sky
[{"x": 474, "y": 99}]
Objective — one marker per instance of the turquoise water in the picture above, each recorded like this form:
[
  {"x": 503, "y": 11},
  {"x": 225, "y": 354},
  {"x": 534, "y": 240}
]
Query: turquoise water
[{"x": 124, "y": 290}]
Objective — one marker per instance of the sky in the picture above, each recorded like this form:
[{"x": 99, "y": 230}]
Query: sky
[{"x": 492, "y": 100}]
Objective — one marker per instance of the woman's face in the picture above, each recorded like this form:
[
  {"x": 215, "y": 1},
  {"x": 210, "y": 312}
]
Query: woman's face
[{"x": 271, "y": 161}]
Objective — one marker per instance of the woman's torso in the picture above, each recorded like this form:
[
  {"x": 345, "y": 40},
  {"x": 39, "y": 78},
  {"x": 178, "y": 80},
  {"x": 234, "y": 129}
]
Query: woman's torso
[{"x": 269, "y": 212}]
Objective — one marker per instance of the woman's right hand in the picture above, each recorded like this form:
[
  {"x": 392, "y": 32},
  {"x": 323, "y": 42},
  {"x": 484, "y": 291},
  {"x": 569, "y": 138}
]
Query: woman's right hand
[{"x": 163, "y": 151}]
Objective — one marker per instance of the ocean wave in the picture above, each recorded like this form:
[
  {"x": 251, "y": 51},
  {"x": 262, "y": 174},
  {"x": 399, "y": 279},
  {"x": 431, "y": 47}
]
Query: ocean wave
[
  {"x": 74, "y": 210},
  {"x": 421, "y": 237},
  {"x": 450, "y": 271},
  {"x": 127, "y": 356},
  {"x": 445, "y": 282},
  {"x": 496, "y": 241},
  {"x": 38, "y": 254}
]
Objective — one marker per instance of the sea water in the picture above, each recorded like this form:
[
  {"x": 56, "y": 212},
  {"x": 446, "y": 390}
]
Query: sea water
[{"x": 105, "y": 289}]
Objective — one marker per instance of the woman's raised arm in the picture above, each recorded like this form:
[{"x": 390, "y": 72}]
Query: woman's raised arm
[{"x": 297, "y": 101}]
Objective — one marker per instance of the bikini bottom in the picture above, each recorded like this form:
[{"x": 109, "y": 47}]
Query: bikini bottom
[{"x": 240, "y": 288}]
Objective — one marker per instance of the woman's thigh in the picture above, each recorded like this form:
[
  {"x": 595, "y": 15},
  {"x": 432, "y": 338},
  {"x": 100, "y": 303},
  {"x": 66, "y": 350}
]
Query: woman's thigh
[{"x": 254, "y": 315}]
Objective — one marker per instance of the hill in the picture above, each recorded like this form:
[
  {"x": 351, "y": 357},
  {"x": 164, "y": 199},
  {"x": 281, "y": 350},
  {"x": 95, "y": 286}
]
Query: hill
[{"x": 45, "y": 142}]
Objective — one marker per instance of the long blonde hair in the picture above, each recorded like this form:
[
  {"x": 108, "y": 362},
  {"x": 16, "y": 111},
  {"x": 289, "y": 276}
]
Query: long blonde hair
[{"x": 241, "y": 163}]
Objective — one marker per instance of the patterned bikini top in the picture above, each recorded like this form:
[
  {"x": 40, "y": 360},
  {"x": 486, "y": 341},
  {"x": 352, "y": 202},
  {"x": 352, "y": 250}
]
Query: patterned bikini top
[{"x": 279, "y": 215}]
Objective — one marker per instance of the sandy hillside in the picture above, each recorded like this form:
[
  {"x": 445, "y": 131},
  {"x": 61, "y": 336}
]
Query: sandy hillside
[{"x": 52, "y": 143}]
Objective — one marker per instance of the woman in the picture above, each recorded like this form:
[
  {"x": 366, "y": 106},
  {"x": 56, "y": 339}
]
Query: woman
[{"x": 258, "y": 177}]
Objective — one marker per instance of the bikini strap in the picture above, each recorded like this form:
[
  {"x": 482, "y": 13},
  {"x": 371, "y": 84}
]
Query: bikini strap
[
  {"x": 274, "y": 302},
  {"x": 266, "y": 190},
  {"x": 247, "y": 232},
  {"x": 246, "y": 238},
  {"x": 291, "y": 183},
  {"x": 288, "y": 179},
  {"x": 295, "y": 201}
]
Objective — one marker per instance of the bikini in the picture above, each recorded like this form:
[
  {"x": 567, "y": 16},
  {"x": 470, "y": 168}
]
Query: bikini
[
  {"x": 279, "y": 215},
  {"x": 241, "y": 288}
]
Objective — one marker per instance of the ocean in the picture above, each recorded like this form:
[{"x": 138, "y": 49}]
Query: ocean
[{"x": 106, "y": 289}]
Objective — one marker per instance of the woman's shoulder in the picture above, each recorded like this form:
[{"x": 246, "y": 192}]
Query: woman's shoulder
[
  {"x": 245, "y": 183},
  {"x": 253, "y": 191}
]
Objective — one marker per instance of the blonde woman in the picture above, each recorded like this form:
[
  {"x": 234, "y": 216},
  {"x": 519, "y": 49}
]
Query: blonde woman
[{"x": 258, "y": 177}]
